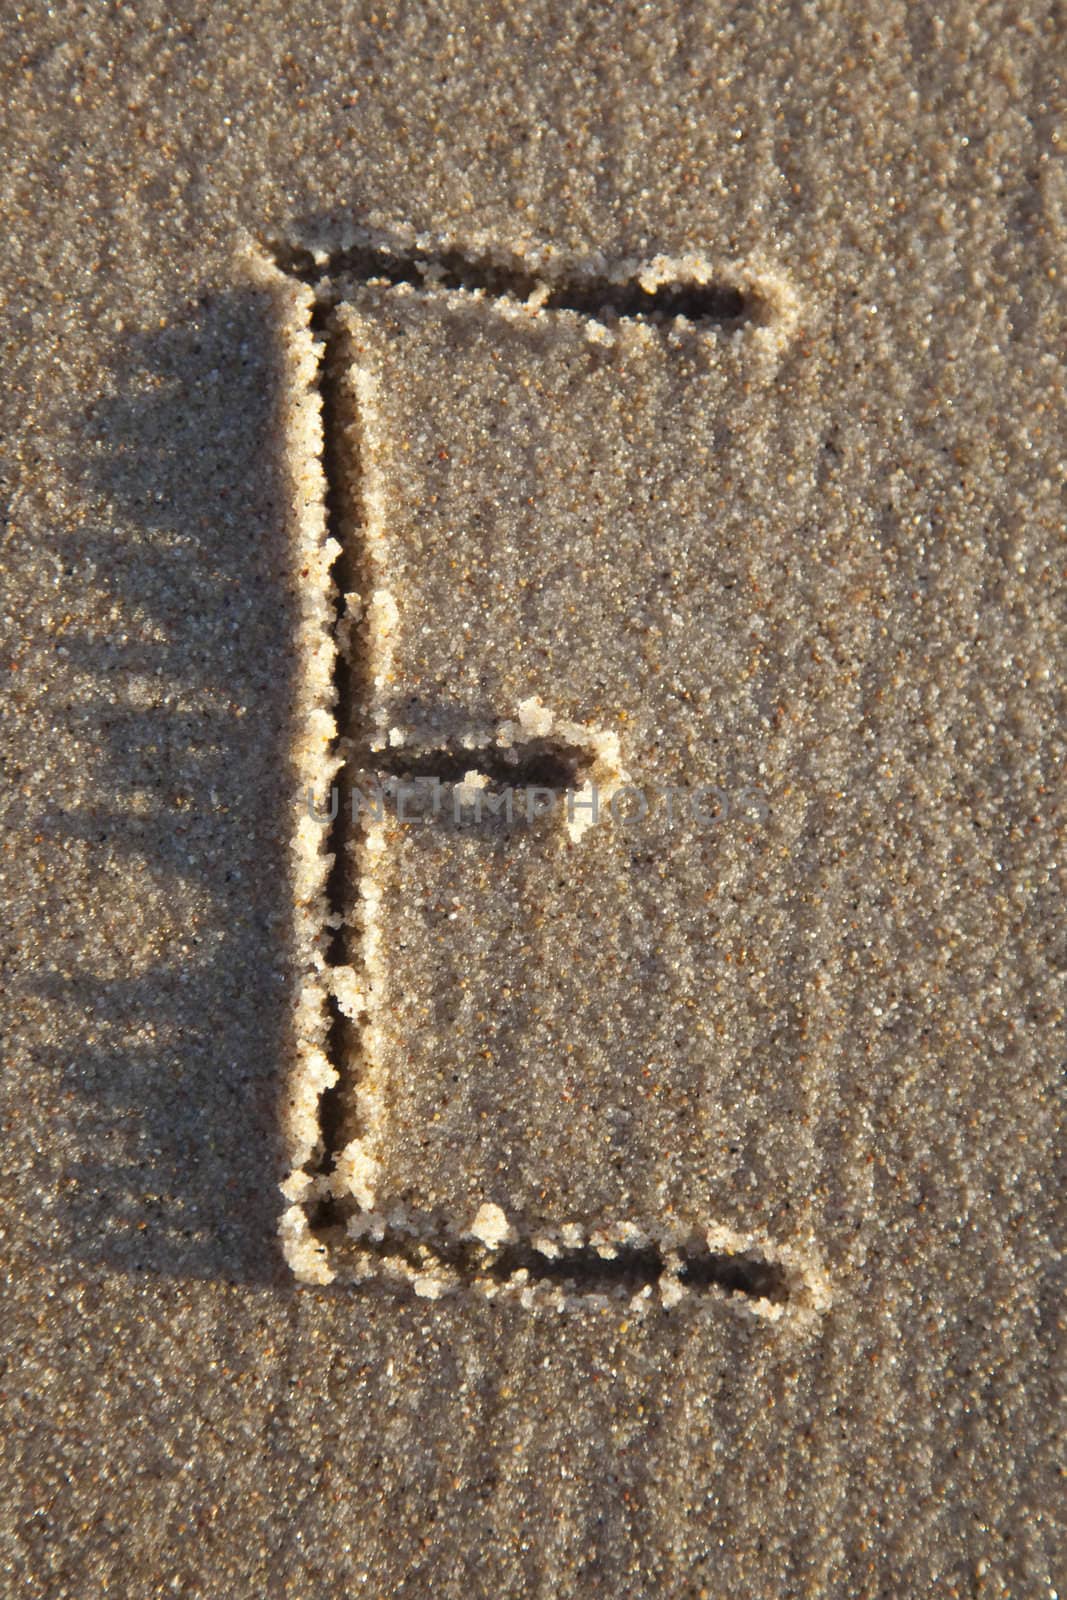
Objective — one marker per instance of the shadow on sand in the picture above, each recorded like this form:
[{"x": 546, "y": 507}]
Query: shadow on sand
[{"x": 177, "y": 1066}]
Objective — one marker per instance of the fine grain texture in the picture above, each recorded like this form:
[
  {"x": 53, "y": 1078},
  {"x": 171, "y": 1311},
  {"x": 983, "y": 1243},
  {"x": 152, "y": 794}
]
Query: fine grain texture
[{"x": 298, "y": 298}]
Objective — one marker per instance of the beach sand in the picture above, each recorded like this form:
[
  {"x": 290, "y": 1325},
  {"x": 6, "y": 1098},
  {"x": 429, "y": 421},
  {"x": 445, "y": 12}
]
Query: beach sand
[{"x": 525, "y": 1209}]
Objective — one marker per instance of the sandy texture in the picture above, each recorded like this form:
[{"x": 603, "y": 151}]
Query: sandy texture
[
  {"x": 560, "y": 1019},
  {"x": 859, "y": 526}
]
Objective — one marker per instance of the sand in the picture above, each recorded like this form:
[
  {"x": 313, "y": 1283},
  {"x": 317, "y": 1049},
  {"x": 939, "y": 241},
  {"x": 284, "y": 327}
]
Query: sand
[{"x": 517, "y": 1208}]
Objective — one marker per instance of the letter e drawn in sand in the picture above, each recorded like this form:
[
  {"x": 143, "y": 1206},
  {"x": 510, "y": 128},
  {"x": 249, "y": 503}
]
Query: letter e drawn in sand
[{"x": 504, "y": 1084}]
